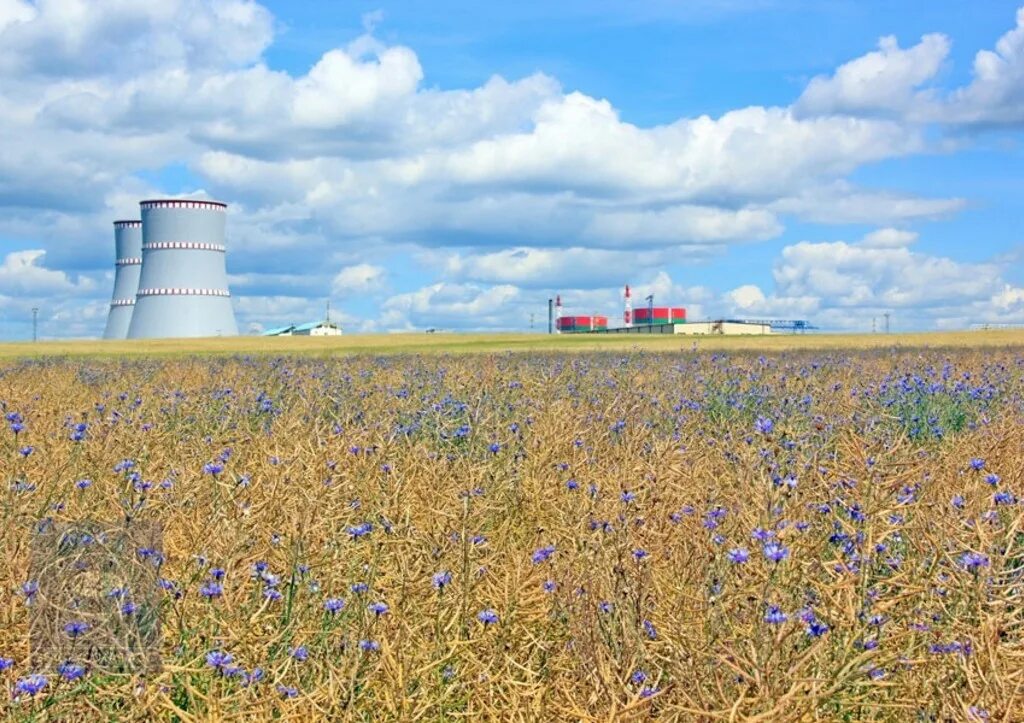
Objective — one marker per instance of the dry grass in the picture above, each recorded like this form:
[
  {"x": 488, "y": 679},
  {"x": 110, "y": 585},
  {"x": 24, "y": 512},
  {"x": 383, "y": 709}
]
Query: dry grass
[
  {"x": 598, "y": 529},
  {"x": 494, "y": 343}
]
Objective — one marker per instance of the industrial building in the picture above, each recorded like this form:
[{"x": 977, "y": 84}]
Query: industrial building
[
  {"x": 127, "y": 265},
  {"x": 183, "y": 285},
  {"x": 651, "y": 319},
  {"x": 313, "y": 328}
]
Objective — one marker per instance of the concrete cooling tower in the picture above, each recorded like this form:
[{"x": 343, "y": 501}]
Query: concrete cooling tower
[
  {"x": 128, "y": 245},
  {"x": 183, "y": 287}
]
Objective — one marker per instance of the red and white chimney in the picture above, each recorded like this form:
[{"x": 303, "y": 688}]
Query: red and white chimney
[
  {"x": 558, "y": 314},
  {"x": 627, "y": 315}
]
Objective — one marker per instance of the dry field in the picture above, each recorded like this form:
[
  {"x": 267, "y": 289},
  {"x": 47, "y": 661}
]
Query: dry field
[
  {"x": 759, "y": 529},
  {"x": 496, "y": 343}
]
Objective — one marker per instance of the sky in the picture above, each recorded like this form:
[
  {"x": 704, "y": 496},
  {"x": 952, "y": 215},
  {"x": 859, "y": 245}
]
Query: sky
[{"x": 455, "y": 164}]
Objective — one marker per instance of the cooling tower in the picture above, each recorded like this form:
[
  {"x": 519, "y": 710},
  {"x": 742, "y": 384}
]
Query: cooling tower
[
  {"x": 183, "y": 287},
  {"x": 128, "y": 245}
]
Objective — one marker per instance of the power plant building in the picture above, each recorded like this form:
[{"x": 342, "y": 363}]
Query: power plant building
[
  {"x": 127, "y": 265},
  {"x": 183, "y": 285}
]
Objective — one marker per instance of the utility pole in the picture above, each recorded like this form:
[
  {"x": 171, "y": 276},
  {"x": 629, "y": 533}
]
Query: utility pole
[
  {"x": 532, "y": 315},
  {"x": 873, "y": 320},
  {"x": 327, "y": 318},
  {"x": 35, "y": 323},
  {"x": 886, "y": 315}
]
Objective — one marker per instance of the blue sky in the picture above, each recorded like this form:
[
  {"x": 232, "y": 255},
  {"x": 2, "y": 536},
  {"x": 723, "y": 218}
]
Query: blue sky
[{"x": 454, "y": 164}]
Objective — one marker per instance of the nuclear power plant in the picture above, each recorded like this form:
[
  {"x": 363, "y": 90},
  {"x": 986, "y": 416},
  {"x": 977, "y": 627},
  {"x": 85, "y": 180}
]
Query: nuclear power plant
[
  {"x": 128, "y": 262},
  {"x": 173, "y": 282}
]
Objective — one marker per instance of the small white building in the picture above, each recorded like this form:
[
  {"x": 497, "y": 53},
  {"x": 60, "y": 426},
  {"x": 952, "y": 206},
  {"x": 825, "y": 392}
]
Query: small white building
[
  {"x": 723, "y": 328},
  {"x": 317, "y": 328}
]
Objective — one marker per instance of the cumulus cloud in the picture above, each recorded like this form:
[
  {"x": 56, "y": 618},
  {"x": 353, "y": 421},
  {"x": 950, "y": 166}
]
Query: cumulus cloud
[
  {"x": 22, "y": 273},
  {"x": 887, "y": 80},
  {"x": 896, "y": 82},
  {"x": 359, "y": 279}
]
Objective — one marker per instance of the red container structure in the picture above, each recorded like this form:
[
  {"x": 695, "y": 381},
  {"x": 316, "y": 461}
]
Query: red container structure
[
  {"x": 570, "y": 324},
  {"x": 659, "y": 315}
]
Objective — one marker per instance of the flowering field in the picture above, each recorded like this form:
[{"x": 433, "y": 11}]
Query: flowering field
[{"x": 802, "y": 536}]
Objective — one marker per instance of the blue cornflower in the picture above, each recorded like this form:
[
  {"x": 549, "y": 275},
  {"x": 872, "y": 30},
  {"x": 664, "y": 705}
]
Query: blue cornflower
[
  {"x": 762, "y": 535},
  {"x": 288, "y": 691},
  {"x": 29, "y": 589},
  {"x": 129, "y": 608},
  {"x": 300, "y": 653},
  {"x": 214, "y": 468},
  {"x": 738, "y": 555},
  {"x": 992, "y": 479},
  {"x": 627, "y": 496},
  {"x": 775, "y": 551},
  {"x": 648, "y": 690},
  {"x": 217, "y": 573},
  {"x": 71, "y": 671},
  {"x": 369, "y": 646},
  {"x": 605, "y": 606},
  {"x": 219, "y": 659},
  {"x": 272, "y": 594},
  {"x": 26, "y": 450},
  {"x": 763, "y": 425},
  {"x": 542, "y": 554},
  {"x": 358, "y": 588},
  {"x": 487, "y": 616},
  {"x": 1003, "y": 498},
  {"x": 638, "y": 677},
  {"x": 31, "y": 685},
  {"x": 816, "y": 628},
  {"x": 210, "y": 590},
  {"x": 76, "y": 628},
  {"x": 977, "y": 464},
  {"x": 957, "y": 501},
  {"x": 83, "y": 484},
  {"x": 650, "y": 630},
  {"x": 441, "y": 579},
  {"x": 334, "y": 605},
  {"x": 572, "y": 484},
  {"x": 973, "y": 560},
  {"x": 775, "y": 616},
  {"x": 6, "y": 664},
  {"x": 495, "y": 448},
  {"x": 378, "y": 608},
  {"x": 640, "y": 553},
  {"x": 549, "y": 586},
  {"x": 364, "y": 528}
]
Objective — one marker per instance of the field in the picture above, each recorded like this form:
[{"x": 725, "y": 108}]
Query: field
[{"x": 793, "y": 528}]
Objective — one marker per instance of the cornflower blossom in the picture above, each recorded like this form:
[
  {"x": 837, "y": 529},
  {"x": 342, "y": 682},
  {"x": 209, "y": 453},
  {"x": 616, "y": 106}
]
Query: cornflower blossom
[
  {"x": 76, "y": 628},
  {"x": 775, "y": 616},
  {"x": 542, "y": 554},
  {"x": 300, "y": 653},
  {"x": 738, "y": 555},
  {"x": 549, "y": 586},
  {"x": 218, "y": 659},
  {"x": 334, "y": 605},
  {"x": 378, "y": 608},
  {"x": 31, "y": 686},
  {"x": 487, "y": 616},
  {"x": 6, "y": 664},
  {"x": 71, "y": 671},
  {"x": 973, "y": 560},
  {"x": 211, "y": 589},
  {"x": 441, "y": 579},
  {"x": 369, "y": 646},
  {"x": 775, "y": 551},
  {"x": 764, "y": 425}
]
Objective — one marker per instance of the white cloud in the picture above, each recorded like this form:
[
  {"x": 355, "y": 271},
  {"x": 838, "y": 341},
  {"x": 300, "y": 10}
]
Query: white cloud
[
  {"x": 996, "y": 92},
  {"x": 21, "y": 273},
  {"x": 884, "y": 81},
  {"x": 359, "y": 279},
  {"x": 889, "y": 238}
]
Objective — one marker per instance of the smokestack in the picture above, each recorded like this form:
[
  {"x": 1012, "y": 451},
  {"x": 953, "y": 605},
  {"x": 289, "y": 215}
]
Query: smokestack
[
  {"x": 183, "y": 287},
  {"x": 551, "y": 316},
  {"x": 558, "y": 313},
  {"x": 627, "y": 314},
  {"x": 128, "y": 264}
]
